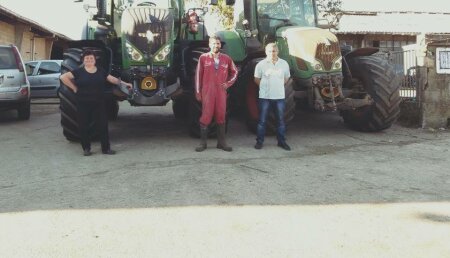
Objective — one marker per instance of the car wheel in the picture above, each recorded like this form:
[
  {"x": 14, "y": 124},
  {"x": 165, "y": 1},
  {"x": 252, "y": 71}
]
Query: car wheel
[{"x": 24, "y": 111}]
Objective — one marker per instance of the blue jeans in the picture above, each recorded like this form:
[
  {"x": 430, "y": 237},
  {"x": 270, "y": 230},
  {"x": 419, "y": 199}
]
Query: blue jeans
[{"x": 278, "y": 106}]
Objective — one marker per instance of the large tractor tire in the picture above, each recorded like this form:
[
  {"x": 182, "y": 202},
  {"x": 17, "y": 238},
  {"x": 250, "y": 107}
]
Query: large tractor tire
[
  {"x": 195, "y": 107},
  {"x": 112, "y": 108},
  {"x": 378, "y": 78},
  {"x": 68, "y": 102},
  {"x": 24, "y": 111},
  {"x": 253, "y": 109},
  {"x": 180, "y": 107}
]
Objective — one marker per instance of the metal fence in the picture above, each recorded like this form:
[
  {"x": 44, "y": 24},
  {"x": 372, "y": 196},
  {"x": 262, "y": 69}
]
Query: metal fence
[{"x": 405, "y": 64}]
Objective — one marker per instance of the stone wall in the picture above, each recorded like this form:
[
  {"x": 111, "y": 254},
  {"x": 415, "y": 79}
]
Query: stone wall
[{"x": 436, "y": 90}]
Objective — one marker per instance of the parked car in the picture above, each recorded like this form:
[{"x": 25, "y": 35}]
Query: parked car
[
  {"x": 44, "y": 77},
  {"x": 14, "y": 85}
]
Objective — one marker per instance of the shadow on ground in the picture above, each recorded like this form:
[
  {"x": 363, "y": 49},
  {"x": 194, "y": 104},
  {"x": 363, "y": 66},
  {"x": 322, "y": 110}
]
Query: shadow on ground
[{"x": 156, "y": 165}]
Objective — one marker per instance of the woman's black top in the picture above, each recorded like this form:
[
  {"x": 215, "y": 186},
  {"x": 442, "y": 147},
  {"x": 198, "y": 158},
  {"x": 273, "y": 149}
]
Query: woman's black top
[{"x": 91, "y": 86}]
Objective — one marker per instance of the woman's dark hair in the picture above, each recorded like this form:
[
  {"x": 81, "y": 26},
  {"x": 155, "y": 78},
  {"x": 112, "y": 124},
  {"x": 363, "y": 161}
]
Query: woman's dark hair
[{"x": 87, "y": 52}]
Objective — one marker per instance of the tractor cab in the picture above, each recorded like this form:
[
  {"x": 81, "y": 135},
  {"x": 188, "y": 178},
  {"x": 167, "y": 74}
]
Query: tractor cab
[{"x": 274, "y": 14}]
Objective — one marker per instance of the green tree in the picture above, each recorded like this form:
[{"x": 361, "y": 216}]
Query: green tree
[
  {"x": 330, "y": 10},
  {"x": 224, "y": 13}
]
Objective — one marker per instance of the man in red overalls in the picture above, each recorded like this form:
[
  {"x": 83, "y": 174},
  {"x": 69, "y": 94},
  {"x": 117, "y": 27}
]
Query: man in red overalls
[{"x": 216, "y": 72}]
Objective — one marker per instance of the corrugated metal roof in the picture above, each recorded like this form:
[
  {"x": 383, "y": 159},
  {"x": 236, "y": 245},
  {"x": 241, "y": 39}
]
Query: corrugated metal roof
[
  {"x": 18, "y": 17},
  {"x": 396, "y": 5},
  {"x": 400, "y": 23}
]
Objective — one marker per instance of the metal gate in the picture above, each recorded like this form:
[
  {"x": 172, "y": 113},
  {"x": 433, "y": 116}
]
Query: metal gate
[{"x": 405, "y": 65}]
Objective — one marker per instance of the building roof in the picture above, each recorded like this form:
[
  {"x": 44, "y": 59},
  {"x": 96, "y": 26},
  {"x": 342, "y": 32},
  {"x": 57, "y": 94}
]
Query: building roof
[
  {"x": 36, "y": 27},
  {"x": 396, "y": 5},
  {"x": 399, "y": 23}
]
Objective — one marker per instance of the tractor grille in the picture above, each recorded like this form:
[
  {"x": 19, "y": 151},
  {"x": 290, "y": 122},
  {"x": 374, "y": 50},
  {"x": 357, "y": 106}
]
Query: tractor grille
[
  {"x": 328, "y": 53},
  {"x": 137, "y": 21}
]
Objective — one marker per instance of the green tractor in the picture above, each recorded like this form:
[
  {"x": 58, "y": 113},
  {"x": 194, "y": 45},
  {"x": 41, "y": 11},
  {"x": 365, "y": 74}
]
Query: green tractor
[
  {"x": 325, "y": 76},
  {"x": 362, "y": 86},
  {"x": 141, "y": 42},
  {"x": 156, "y": 44}
]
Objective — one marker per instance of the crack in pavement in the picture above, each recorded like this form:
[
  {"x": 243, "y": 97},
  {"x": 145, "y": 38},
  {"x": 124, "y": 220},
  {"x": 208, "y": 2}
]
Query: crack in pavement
[
  {"x": 151, "y": 165},
  {"x": 257, "y": 169}
]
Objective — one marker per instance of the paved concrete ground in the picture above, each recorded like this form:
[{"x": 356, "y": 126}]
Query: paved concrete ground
[{"x": 339, "y": 193}]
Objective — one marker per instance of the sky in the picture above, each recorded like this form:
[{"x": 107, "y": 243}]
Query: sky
[
  {"x": 62, "y": 16},
  {"x": 68, "y": 18}
]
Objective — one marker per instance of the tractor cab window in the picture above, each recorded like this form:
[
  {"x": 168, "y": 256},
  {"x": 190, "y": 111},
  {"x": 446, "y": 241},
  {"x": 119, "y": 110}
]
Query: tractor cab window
[
  {"x": 274, "y": 14},
  {"x": 289, "y": 12}
]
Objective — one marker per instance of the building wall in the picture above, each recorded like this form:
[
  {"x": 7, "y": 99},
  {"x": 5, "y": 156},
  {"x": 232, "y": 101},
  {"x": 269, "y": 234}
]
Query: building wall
[
  {"x": 7, "y": 34},
  {"x": 26, "y": 46},
  {"x": 436, "y": 93},
  {"x": 30, "y": 45},
  {"x": 40, "y": 49},
  {"x": 383, "y": 41}
]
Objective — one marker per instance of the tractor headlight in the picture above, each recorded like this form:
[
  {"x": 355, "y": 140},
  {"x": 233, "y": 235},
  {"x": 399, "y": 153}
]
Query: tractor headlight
[
  {"x": 317, "y": 66},
  {"x": 162, "y": 54},
  {"x": 337, "y": 64},
  {"x": 133, "y": 53}
]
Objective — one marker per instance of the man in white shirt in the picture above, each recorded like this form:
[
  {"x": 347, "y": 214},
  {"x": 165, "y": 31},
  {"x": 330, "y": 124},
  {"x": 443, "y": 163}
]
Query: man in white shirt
[{"x": 271, "y": 74}]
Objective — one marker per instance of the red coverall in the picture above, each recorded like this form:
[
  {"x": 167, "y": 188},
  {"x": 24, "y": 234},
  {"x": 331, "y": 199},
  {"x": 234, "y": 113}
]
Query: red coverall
[{"x": 208, "y": 82}]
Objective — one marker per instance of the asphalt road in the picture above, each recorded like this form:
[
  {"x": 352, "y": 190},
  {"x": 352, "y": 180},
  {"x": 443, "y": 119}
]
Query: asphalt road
[{"x": 338, "y": 193}]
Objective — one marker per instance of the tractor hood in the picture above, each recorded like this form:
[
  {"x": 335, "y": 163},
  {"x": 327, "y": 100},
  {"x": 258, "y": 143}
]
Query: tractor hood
[
  {"x": 311, "y": 45},
  {"x": 147, "y": 30}
]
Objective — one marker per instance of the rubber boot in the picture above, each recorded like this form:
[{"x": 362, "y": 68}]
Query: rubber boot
[
  {"x": 203, "y": 139},
  {"x": 221, "y": 143}
]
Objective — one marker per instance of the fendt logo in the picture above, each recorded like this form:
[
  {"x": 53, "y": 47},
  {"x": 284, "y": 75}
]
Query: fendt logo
[{"x": 327, "y": 53}]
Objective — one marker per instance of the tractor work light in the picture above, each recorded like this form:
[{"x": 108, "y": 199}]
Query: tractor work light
[
  {"x": 163, "y": 54},
  {"x": 133, "y": 53},
  {"x": 338, "y": 63},
  {"x": 317, "y": 65}
]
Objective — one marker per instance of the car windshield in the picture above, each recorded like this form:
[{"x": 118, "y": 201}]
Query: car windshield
[
  {"x": 7, "y": 59},
  {"x": 295, "y": 12}
]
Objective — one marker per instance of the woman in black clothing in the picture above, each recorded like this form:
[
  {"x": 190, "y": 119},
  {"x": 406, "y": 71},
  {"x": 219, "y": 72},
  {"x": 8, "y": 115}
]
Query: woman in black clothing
[{"x": 88, "y": 83}]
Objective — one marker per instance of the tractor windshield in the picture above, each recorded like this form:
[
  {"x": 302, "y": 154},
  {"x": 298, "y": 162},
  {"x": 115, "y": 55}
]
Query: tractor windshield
[{"x": 274, "y": 13}]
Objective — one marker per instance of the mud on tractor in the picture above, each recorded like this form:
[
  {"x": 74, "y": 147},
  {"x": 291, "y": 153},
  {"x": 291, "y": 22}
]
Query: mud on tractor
[{"x": 155, "y": 45}]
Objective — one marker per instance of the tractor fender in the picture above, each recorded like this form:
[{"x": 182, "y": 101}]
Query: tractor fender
[
  {"x": 86, "y": 43},
  {"x": 249, "y": 63},
  {"x": 366, "y": 51},
  {"x": 186, "y": 47},
  {"x": 246, "y": 75},
  {"x": 249, "y": 67},
  {"x": 346, "y": 57}
]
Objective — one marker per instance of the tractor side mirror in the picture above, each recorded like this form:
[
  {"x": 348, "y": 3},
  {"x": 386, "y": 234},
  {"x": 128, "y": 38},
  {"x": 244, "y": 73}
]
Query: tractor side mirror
[
  {"x": 245, "y": 24},
  {"x": 324, "y": 24}
]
